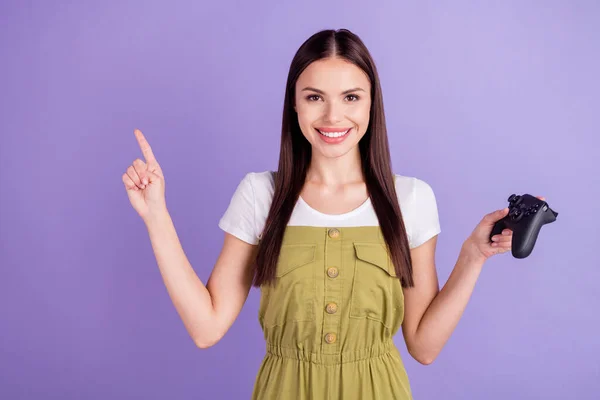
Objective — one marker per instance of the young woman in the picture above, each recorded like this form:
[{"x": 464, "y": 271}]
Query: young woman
[{"x": 340, "y": 246}]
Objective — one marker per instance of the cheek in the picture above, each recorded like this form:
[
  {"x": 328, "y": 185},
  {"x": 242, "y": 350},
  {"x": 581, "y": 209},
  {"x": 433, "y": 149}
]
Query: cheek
[
  {"x": 360, "y": 115},
  {"x": 305, "y": 120},
  {"x": 307, "y": 115}
]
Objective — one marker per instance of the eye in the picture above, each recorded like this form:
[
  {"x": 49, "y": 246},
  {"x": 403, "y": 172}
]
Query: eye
[
  {"x": 311, "y": 96},
  {"x": 353, "y": 95}
]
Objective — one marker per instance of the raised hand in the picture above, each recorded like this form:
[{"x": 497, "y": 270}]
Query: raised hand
[{"x": 145, "y": 182}]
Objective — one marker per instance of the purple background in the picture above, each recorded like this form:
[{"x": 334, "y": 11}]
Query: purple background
[{"x": 481, "y": 101}]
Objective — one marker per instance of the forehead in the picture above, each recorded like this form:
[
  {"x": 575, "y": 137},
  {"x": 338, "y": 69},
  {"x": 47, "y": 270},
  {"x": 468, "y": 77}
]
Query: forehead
[{"x": 333, "y": 75}]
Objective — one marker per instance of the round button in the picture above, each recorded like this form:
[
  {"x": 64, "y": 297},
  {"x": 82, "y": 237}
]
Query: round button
[
  {"x": 332, "y": 272},
  {"x": 334, "y": 233},
  {"x": 331, "y": 308},
  {"x": 330, "y": 338}
]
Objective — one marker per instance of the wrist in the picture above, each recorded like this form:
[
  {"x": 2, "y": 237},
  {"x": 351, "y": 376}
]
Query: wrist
[
  {"x": 471, "y": 254},
  {"x": 157, "y": 218}
]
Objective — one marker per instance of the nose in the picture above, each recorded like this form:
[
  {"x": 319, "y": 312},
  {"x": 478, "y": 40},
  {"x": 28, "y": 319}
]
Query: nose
[{"x": 333, "y": 112}]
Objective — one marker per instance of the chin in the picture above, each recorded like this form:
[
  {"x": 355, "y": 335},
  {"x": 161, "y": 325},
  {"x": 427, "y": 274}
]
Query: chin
[{"x": 329, "y": 152}]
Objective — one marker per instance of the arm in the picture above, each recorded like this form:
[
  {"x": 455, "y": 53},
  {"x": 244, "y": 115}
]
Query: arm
[
  {"x": 206, "y": 311},
  {"x": 431, "y": 315}
]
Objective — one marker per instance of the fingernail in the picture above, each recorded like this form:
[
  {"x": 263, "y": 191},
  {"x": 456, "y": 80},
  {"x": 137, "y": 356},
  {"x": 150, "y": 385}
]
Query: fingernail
[{"x": 145, "y": 181}]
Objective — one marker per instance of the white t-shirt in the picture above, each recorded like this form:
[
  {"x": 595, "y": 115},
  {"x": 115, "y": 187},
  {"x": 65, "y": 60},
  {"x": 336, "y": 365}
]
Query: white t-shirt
[{"x": 247, "y": 212}]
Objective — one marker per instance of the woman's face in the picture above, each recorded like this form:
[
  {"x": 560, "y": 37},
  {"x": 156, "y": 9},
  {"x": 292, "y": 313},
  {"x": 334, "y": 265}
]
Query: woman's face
[{"x": 333, "y": 101}]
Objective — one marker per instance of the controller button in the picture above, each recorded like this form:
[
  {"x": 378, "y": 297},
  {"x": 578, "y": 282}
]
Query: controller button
[{"x": 518, "y": 218}]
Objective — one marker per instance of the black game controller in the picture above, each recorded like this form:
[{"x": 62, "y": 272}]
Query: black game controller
[{"x": 527, "y": 214}]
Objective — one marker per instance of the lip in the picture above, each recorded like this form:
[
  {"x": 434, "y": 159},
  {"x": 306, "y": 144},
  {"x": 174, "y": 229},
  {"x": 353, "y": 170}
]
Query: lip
[
  {"x": 335, "y": 140},
  {"x": 335, "y": 129}
]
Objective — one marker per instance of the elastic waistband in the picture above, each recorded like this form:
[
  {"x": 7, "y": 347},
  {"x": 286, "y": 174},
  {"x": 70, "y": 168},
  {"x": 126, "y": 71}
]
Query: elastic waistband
[{"x": 374, "y": 351}]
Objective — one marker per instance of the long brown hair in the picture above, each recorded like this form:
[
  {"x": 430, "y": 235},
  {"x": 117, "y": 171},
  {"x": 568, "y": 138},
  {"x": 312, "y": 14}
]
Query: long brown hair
[{"x": 295, "y": 156}]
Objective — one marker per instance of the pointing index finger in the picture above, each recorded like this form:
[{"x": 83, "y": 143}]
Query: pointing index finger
[{"x": 145, "y": 147}]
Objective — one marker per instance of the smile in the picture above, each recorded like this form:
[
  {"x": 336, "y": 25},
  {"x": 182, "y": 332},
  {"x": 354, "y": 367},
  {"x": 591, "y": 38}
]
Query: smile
[
  {"x": 334, "y": 137},
  {"x": 334, "y": 134}
]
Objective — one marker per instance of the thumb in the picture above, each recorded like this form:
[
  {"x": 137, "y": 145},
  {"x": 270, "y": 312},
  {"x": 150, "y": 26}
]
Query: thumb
[
  {"x": 154, "y": 167},
  {"x": 497, "y": 215},
  {"x": 152, "y": 177}
]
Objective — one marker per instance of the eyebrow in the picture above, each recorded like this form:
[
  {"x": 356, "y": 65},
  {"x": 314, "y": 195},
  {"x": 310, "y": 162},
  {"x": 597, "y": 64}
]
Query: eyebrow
[{"x": 357, "y": 89}]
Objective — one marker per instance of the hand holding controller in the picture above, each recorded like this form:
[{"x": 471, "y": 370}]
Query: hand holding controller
[{"x": 527, "y": 214}]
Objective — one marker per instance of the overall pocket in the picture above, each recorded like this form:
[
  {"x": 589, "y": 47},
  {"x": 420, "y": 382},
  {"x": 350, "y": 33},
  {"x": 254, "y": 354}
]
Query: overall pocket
[
  {"x": 374, "y": 295},
  {"x": 292, "y": 297}
]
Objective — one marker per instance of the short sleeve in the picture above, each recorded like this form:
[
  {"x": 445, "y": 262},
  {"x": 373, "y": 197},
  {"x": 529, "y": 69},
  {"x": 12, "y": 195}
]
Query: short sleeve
[
  {"x": 239, "y": 218},
  {"x": 425, "y": 218}
]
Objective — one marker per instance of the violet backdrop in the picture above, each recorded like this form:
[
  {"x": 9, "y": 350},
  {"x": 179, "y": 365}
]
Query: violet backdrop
[{"x": 482, "y": 100}]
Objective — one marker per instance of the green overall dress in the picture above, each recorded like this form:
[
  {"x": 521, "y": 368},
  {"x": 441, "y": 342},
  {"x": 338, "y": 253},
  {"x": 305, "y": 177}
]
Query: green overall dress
[{"x": 329, "y": 320}]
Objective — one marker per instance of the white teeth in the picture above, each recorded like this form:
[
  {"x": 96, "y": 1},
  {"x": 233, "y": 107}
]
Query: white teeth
[{"x": 334, "y": 134}]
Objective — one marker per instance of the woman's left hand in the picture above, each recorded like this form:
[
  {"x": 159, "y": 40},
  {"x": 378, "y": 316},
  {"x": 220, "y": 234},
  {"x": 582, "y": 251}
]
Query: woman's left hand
[{"x": 478, "y": 244}]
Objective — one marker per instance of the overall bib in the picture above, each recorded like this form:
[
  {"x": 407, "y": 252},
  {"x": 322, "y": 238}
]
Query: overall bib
[{"x": 330, "y": 318}]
